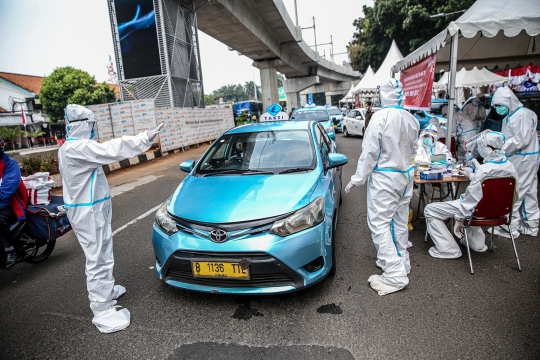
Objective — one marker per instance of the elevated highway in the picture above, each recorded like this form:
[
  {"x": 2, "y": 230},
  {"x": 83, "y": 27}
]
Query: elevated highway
[{"x": 263, "y": 31}]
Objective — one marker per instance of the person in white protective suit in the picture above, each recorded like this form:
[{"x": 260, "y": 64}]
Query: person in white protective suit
[
  {"x": 388, "y": 149},
  {"x": 476, "y": 111},
  {"x": 428, "y": 145},
  {"x": 521, "y": 149},
  {"x": 465, "y": 129},
  {"x": 87, "y": 199},
  {"x": 495, "y": 165}
]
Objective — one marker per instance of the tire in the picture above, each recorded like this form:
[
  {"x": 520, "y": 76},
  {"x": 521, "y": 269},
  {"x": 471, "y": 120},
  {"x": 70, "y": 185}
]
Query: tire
[
  {"x": 333, "y": 269},
  {"x": 340, "y": 198},
  {"x": 36, "y": 250},
  {"x": 345, "y": 132}
]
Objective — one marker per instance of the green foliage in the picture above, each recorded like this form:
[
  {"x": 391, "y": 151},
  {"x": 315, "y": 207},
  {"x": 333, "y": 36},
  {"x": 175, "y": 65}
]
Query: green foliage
[
  {"x": 407, "y": 22},
  {"x": 33, "y": 135},
  {"x": 67, "y": 85},
  {"x": 249, "y": 89},
  {"x": 9, "y": 134},
  {"x": 34, "y": 164},
  {"x": 209, "y": 100}
]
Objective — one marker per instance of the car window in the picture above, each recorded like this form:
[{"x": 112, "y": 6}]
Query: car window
[
  {"x": 324, "y": 146},
  {"x": 265, "y": 150},
  {"x": 334, "y": 111},
  {"x": 315, "y": 115}
]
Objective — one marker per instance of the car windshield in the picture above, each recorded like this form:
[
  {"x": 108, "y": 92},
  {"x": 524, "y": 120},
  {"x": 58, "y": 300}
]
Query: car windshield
[
  {"x": 436, "y": 107},
  {"x": 269, "y": 152},
  {"x": 315, "y": 115},
  {"x": 334, "y": 111}
]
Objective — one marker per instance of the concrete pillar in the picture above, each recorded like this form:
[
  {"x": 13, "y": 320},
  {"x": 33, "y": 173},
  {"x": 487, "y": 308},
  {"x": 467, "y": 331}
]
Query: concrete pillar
[
  {"x": 328, "y": 99},
  {"x": 268, "y": 81},
  {"x": 293, "y": 101},
  {"x": 292, "y": 88}
]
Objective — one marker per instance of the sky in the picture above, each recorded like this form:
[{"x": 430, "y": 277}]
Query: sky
[{"x": 41, "y": 35}]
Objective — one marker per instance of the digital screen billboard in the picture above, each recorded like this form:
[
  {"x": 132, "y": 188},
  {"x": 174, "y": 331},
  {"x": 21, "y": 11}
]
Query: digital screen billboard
[{"x": 138, "y": 38}]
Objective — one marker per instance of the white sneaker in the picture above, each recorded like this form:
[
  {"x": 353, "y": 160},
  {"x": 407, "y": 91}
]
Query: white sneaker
[
  {"x": 382, "y": 288},
  {"x": 118, "y": 291},
  {"x": 502, "y": 232},
  {"x": 111, "y": 320},
  {"x": 526, "y": 230}
]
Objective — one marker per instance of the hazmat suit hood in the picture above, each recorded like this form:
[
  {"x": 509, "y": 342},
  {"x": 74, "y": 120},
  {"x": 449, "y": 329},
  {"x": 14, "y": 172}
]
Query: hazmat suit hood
[
  {"x": 489, "y": 145},
  {"x": 391, "y": 93},
  {"x": 506, "y": 97},
  {"x": 81, "y": 123}
]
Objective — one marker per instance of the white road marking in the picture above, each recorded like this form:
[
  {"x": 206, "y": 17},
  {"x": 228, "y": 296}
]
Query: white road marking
[
  {"x": 151, "y": 211},
  {"x": 117, "y": 190}
]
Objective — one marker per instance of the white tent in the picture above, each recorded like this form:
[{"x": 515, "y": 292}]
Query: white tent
[
  {"x": 349, "y": 97},
  {"x": 471, "y": 79},
  {"x": 476, "y": 39},
  {"x": 383, "y": 73},
  {"x": 365, "y": 80}
]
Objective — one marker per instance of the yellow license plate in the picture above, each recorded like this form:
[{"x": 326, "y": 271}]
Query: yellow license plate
[{"x": 219, "y": 269}]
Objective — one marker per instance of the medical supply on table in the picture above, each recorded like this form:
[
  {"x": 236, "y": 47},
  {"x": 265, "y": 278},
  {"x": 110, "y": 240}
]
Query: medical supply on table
[{"x": 431, "y": 175}]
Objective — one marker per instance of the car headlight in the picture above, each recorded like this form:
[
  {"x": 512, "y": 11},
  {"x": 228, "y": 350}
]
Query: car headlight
[
  {"x": 329, "y": 129},
  {"x": 307, "y": 217},
  {"x": 164, "y": 220}
]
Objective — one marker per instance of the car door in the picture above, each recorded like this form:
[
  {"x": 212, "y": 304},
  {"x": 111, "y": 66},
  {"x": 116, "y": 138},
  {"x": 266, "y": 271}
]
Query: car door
[
  {"x": 357, "y": 123},
  {"x": 330, "y": 178}
]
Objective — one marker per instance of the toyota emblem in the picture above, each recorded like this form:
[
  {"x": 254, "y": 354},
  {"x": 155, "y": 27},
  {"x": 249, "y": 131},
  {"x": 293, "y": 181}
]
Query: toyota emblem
[{"x": 218, "y": 235}]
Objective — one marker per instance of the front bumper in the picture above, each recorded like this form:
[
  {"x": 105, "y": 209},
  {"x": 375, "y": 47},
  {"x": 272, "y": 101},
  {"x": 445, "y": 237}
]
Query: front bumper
[{"x": 276, "y": 264}]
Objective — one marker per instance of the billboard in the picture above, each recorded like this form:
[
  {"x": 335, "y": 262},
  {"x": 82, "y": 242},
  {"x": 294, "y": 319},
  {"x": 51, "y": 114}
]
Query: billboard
[
  {"x": 417, "y": 81},
  {"x": 138, "y": 38}
]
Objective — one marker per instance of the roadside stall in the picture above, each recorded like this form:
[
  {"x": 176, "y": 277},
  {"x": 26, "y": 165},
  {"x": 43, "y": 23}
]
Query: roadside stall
[
  {"x": 368, "y": 85},
  {"x": 492, "y": 33}
]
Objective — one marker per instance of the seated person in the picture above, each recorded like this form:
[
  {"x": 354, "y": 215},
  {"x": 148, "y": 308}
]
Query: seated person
[
  {"x": 495, "y": 165},
  {"x": 13, "y": 201},
  {"x": 428, "y": 145}
]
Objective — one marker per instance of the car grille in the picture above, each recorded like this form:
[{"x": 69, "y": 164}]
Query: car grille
[{"x": 265, "y": 270}]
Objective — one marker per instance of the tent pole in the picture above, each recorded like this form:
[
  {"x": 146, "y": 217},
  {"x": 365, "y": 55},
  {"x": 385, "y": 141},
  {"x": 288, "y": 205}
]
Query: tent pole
[{"x": 451, "y": 88}]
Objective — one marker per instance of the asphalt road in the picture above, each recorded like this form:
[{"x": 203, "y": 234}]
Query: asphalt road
[{"x": 444, "y": 312}]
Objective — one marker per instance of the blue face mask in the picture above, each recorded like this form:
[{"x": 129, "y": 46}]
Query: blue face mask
[
  {"x": 427, "y": 141},
  {"x": 501, "y": 110}
]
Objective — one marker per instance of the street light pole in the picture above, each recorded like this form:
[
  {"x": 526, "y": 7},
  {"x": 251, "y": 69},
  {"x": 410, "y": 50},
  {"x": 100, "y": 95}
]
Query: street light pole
[
  {"x": 446, "y": 14},
  {"x": 314, "y": 33},
  {"x": 296, "y": 12}
]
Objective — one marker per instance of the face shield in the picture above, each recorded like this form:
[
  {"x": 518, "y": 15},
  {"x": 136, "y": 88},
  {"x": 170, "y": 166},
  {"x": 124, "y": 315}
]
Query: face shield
[
  {"x": 488, "y": 144},
  {"x": 81, "y": 123},
  {"x": 429, "y": 135}
]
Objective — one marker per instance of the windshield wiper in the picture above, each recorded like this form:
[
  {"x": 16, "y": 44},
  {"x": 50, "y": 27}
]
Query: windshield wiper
[
  {"x": 239, "y": 171},
  {"x": 298, "y": 169}
]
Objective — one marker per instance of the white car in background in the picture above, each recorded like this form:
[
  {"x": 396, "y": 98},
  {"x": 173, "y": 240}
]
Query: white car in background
[{"x": 353, "y": 123}]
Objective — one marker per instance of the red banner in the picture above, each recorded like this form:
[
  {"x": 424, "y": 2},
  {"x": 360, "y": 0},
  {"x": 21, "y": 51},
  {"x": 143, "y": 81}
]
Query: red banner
[{"x": 417, "y": 81}]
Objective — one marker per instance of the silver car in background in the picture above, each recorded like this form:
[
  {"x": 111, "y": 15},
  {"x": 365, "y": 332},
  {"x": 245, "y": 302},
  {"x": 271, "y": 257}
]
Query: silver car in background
[{"x": 353, "y": 122}]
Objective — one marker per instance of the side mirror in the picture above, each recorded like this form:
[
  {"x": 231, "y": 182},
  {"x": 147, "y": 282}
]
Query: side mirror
[
  {"x": 187, "y": 166},
  {"x": 336, "y": 160}
]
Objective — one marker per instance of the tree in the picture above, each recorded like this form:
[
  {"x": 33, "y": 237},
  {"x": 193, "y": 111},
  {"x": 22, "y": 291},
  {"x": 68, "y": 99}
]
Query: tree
[
  {"x": 408, "y": 22},
  {"x": 209, "y": 100},
  {"x": 230, "y": 93},
  {"x": 280, "y": 79},
  {"x": 9, "y": 134},
  {"x": 67, "y": 85},
  {"x": 249, "y": 89}
]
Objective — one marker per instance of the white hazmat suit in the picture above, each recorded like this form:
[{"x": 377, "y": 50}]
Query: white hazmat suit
[
  {"x": 521, "y": 149},
  {"x": 495, "y": 165},
  {"x": 475, "y": 111},
  {"x": 87, "y": 199},
  {"x": 465, "y": 129},
  {"x": 388, "y": 147},
  {"x": 433, "y": 147}
]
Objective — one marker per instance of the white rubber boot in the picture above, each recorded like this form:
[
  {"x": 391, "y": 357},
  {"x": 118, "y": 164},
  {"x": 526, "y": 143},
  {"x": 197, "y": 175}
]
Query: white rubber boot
[{"x": 118, "y": 291}]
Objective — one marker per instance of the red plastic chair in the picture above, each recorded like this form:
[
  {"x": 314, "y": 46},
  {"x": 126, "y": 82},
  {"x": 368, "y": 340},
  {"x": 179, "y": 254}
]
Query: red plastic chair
[{"x": 494, "y": 209}]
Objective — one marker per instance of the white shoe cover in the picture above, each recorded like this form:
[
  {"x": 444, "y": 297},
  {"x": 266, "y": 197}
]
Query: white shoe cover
[
  {"x": 526, "y": 230},
  {"x": 382, "y": 288},
  {"x": 118, "y": 291},
  {"x": 111, "y": 320},
  {"x": 434, "y": 253},
  {"x": 499, "y": 231},
  {"x": 483, "y": 249},
  {"x": 409, "y": 245}
]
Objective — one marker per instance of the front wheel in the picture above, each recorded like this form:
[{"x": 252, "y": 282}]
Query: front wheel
[
  {"x": 345, "y": 132},
  {"x": 36, "y": 250}
]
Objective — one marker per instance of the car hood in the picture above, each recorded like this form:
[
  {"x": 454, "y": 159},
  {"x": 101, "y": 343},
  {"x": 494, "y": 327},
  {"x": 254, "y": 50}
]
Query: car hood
[{"x": 226, "y": 199}]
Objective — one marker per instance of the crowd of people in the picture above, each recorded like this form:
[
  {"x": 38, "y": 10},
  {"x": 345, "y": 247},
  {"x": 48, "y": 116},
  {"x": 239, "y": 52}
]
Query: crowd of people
[{"x": 393, "y": 143}]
